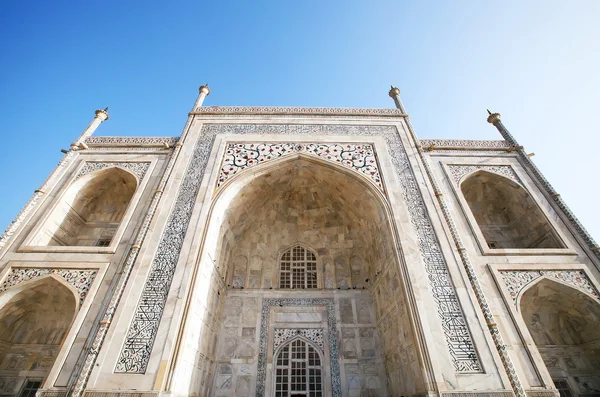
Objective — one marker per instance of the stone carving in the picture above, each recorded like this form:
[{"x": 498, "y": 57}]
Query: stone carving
[
  {"x": 80, "y": 279},
  {"x": 280, "y": 335},
  {"x": 333, "y": 347},
  {"x": 137, "y": 168},
  {"x": 458, "y": 171},
  {"x": 517, "y": 280},
  {"x": 463, "y": 143},
  {"x": 358, "y": 157},
  {"x": 131, "y": 141},
  {"x": 295, "y": 110},
  {"x": 142, "y": 332}
]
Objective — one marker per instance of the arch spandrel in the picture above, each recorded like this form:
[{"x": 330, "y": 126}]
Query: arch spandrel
[
  {"x": 518, "y": 282},
  {"x": 359, "y": 157}
]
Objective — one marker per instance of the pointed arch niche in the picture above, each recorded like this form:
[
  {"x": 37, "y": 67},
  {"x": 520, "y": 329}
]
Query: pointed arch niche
[
  {"x": 506, "y": 214},
  {"x": 34, "y": 321},
  {"x": 564, "y": 324},
  {"x": 341, "y": 217},
  {"x": 90, "y": 211}
]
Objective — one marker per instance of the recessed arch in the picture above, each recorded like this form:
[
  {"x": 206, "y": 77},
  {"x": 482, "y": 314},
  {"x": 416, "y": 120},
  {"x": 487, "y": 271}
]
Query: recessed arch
[
  {"x": 506, "y": 214},
  {"x": 563, "y": 323},
  {"x": 34, "y": 322},
  {"x": 91, "y": 209},
  {"x": 258, "y": 214}
]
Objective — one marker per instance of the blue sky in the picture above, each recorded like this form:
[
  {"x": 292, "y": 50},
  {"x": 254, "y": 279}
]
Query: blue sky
[{"x": 535, "y": 62}]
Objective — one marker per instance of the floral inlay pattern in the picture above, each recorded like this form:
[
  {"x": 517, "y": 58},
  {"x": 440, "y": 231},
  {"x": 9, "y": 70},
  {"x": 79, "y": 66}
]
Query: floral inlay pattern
[
  {"x": 281, "y": 335},
  {"x": 517, "y": 280},
  {"x": 358, "y": 157},
  {"x": 458, "y": 171},
  {"x": 80, "y": 279},
  {"x": 137, "y": 168}
]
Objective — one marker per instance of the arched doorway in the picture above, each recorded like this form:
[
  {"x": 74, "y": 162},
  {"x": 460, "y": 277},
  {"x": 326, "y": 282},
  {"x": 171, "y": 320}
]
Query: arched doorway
[
  {"x": 328, "y": 223},
  {"x": 33, "y": 325},
  {"x": 506, "y": 214},
  {"x": 90, "y": 211},
  {"x": 565, "y": 326}
]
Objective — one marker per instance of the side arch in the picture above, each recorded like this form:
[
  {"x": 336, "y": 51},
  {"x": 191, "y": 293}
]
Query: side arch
[
  {"x": 506, "y": 213},
  {"x": 90, "y": 210},
  {"x": 563, "y": 323}
]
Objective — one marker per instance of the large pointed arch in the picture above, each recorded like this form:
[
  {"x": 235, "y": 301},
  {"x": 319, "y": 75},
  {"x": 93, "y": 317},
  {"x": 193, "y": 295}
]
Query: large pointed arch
[
  {"x": 506, "y": 214},
  {"x": 90, "y": 210}
]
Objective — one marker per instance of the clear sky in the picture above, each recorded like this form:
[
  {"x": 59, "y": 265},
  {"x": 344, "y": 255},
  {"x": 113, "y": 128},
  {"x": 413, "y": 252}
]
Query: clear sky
[{"x": 535, "y": 62}]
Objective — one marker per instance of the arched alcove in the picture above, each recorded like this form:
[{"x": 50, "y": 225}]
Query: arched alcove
[
  {"x": 507, "y": 215},
  {"x": 565, "y": 325},
  {"x": 90, "y": 211},
  {"x": 33, "y": 325},
  {"x": 340, "y": 219}
]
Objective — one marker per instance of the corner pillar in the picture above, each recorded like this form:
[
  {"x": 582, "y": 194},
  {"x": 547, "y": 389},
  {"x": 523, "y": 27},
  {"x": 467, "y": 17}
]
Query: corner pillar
[{"x": 101, "y": 115}]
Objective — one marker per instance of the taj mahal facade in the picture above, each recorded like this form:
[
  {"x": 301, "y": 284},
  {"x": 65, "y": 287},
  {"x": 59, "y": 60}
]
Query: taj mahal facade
[{"x": 285, "y": 252}]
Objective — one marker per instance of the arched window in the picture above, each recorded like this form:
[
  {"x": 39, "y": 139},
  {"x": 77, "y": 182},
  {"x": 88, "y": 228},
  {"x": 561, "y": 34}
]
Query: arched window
[
  {"x": 298, "y": 370},
  {"x": 507, "y": 215},
  {"x": 298, "y": 269}
]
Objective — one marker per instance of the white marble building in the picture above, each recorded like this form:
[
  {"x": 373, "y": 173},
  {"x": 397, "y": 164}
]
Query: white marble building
[{"x": 272, "y": 251}]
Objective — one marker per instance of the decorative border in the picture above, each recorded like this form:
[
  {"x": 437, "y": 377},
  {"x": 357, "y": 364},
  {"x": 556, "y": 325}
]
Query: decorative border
[
  {"x": 282, "y": 335},
  {"x": 358, "y": 157},
  {"x": 463, "y": 143},
  {"x": 131, "y": 141},
  {"x": 516, "y": 280},
  {"x": 336, "y": 385},
  {"x": 137, "y": 348},
  {"x": 81, "y": 280},
  {"x": 297, "y": 110},
  {"x": 458, "y": 171},
  {"x": 137, "y": 168}
]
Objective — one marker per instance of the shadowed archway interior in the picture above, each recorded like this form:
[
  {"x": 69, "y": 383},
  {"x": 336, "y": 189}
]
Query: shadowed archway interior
[
  {"x": 90, "y": 211},
  {"x": 507, "y": 215},
  {"x": 320, "y": 209},
  {"x": 33, "y": 325},
  {"x": 564, "y": 323}
]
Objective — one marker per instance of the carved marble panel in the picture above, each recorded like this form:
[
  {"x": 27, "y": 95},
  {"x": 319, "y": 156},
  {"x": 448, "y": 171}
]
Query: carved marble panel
[
  {"x": 138, "y": 168},
  {"x": 81, "y": 280},
  {"x": 458, "y": 171},
  {"x": 314, "y": 335},
  {"x": 517, "y": 280}
]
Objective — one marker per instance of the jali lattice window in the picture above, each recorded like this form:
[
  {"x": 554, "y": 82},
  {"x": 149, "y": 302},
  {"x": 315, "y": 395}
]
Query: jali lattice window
[
  {"x": 298, "y": 269},
  {"x": 298, "y": 371}
]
